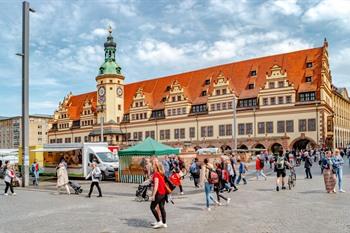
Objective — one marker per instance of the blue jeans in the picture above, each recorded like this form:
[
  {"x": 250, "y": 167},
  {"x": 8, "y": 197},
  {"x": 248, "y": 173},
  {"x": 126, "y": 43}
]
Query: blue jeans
[
  {"x": 208, "y": 188},
  {"x": 339, "y": 173}
]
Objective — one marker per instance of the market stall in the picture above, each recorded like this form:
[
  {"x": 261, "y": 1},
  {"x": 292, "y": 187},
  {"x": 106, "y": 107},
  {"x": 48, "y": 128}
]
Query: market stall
[{"x": 132, "y": 161}]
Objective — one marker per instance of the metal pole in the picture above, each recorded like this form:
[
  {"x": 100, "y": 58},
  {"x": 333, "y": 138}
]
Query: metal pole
[
  {"x": 25, "y": 94},
  {"x": 317, "y": 126},
  {"x": 101, "y": 128},
  {"x": 234, "y": 126}
]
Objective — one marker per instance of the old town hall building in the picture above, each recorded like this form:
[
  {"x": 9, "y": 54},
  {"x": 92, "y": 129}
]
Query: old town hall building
[{"x": 285, "y": 100}]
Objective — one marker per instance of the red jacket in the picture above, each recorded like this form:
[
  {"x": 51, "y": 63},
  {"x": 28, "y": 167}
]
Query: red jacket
[
  {"x": 175, "y": 178},
  {"x": 257, "y": 164}
]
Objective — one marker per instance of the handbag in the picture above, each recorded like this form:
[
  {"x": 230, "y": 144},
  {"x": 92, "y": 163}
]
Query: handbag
[{"x": 169, "y": 186}]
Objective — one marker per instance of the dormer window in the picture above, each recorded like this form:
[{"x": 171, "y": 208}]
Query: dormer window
[
  {"x": 271, "y": 85},
  {"x": 173, "y": 99},
  {"x": 251, "y": 86},
  {"x": 224, "y": 91},
  {"x": 253, "y": 73},
  {"x": 308, "y": 64},
  {"x": 280, "y": 84},
  {"x": 218, "y": 92},
  {"x": 141, "y": 104},
  {"x": 308, "y": 79},
  {"x": 137, "y": 104},
  {"x": 163, "y": 99},
  {"x": 207, "y": 82},
  {"x": 204, "y": 93},
  {"x": 179, "y": 98}
]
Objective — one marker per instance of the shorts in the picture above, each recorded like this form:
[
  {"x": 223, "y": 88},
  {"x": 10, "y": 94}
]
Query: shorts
[{"x": 281, "y": 173}]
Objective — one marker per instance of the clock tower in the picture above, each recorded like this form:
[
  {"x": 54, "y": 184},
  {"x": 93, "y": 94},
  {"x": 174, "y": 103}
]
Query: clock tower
[{"x": 110, "y": 85}]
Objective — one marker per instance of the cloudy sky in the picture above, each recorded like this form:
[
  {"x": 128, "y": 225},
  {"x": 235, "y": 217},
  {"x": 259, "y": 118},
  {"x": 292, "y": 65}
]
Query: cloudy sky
[{"x": 157, "y": 38}]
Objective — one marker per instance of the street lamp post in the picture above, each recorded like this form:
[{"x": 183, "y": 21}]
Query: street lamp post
[
  {"x": 25, "y": 92},
  {"x": 234, "y": 128}
]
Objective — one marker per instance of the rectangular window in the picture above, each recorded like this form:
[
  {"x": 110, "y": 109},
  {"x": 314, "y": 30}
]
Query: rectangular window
[
  {"x": 119, "y": 107},
  {"x": 229, "y": 104},
  {"x": 179, "y": 98},
  {"x": 288, "y": 99},
  {"x": 173, "y": 112},
  {"x": 308, "y": 64},
  {"x": 203, "y": 131},
  {"x": 273, "y": 100},
  {"x": 269, "y": 127},
  {"x": 86, "y": 139},
  {"x": 311, "y": 124},
  {"x": 167, "y": 134},
  {"x": 241, "y": 129},
  {"x": 218, "y": 106},
  {"x": 251, "y": 86},
  {"x": 192, "y": 132},
  {"x": 217, "y": 92},
  {"x": 308, "y": 79},
  {"x": 173, "y": 99},
  {"x": 183, "y": 110},
  {"x": 290, "y": 126},
  {"x": 178, "y": 111},
  {"x": 271, "y": 85},
  {"x": 135, "y": 135},
  {"x": 204, "y": 93},
  {"x": 249, "y": 128},
  {"x": 280, "y": 126},
  {"x": 224, "y": 91},
  {"x": 210, "y": 132},
  {"x": 302, "y": 125},
  {"x": 265, "y": 101},
  {"x": 224, "y": 106},
  {"x": 176, "y": 133},
  {"x": 162, "y": 134},
  {"x": 169, "y": 112},
  {"x": 280, "y": 99},
  {"x": 228, "y": 130},
  {"x": 280, "y": 84},
  {"x": 140, "y": 136},
  {"x": 212, "y": 107},
  {"x": 77, "y": 139},
  {"x": 67, "y": 140},
  {"x": 307, "y": 96},
  {"x": 182, "y": 133},
  {"x": 253, "y": 73},
  {"x": 261, "y": 128},
  {"x": 222, "y": 130}
]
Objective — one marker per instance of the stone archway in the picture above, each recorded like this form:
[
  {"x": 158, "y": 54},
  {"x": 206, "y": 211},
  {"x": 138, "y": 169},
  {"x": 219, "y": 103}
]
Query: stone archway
[
  {"x": 259, "y": 146},
  {"x": 303, "y": 143},
  {"x": 243, "y": 147},
  {"x": 276, "y": 148}
]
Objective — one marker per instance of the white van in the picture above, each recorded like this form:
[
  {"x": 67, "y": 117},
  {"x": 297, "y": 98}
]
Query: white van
[{"x": 78, "y": 157}]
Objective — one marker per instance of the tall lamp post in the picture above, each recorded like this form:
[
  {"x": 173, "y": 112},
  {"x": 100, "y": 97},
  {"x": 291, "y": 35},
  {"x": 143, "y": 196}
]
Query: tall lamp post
[
  {"x": 25, "y": 92},
  {"x": 234, "y": 128}
]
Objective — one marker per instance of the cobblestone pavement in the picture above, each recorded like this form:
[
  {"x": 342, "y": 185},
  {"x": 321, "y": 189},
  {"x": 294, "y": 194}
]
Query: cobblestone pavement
[{"x": 256, "y": 207}]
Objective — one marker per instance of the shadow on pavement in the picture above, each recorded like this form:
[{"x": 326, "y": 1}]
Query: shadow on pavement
[
  {"x": 191, "y": 208},
  {"x": 136, "y": 222},
  {"x": 312, "y": 191}
]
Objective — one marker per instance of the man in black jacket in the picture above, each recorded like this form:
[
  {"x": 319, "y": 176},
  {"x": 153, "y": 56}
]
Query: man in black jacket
[{"x": 308, "y": 165}]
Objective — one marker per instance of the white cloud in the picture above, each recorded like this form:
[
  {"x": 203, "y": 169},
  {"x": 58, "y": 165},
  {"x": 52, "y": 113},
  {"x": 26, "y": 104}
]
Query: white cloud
[
  {"x": 125, "y": 7},
  {"x": 286, "y": 7},
  {"x": 159, "y": 52},
  {"x": 171, "y": 29},
  {"x": 147, "y": 27},
  {"x": 328, "y": 11}
]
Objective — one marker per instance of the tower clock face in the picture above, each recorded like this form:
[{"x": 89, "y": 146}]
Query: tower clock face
[
  {"x": 101, "y": 91},
  {"x": 119, "y": 91}
]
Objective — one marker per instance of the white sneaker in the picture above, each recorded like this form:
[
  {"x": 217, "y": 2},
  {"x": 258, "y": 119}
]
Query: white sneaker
[
  {"x": 158, "y": 225},
  {"x": 228, "y": 200},
  {"x": 209, "y": 209},
  {"x": 13, "y": 194},
  {"x": 164, "y": 225},
  {"x": 182, "y": 193},
  {"x": 342, "y": 191},
  {"x": 154, "y": 223},
  {"x": 6, "y": 194}
]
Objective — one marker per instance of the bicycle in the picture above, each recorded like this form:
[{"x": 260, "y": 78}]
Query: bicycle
[{"x": 292, "y": 178}]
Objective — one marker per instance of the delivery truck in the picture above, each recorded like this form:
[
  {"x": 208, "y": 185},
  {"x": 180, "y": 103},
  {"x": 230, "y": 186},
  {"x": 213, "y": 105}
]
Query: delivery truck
[{"x": 78, "y": 157}]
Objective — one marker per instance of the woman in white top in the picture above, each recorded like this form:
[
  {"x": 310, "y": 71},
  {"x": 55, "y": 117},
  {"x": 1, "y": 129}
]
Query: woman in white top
[{"x": 95, "y": 175}]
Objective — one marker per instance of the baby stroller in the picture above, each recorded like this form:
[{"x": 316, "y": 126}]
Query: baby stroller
[
  {"x": 141, "y": 192},
  {"x": 292, "y": 178},
  {"x": 76, "y": 187}
]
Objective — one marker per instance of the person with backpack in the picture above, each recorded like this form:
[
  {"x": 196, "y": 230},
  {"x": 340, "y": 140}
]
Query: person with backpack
[
  {"x": 96, "y": 177},
  {"x": 175, "y": 178},
  {"x": 35, "y": 171},
  {"x": 159, "y": 195},
  {"x": 242, "y": 168},
  {"x": 222, "y": 184},
  {"x": 308, "y": 165},
  {"x": 208, "y": 177},
  {"x": 280, "y": 168},
  {"x": 259, "y": 166},
  {"x": 233, "y": 161},
  {"x": 10, "y": 175},
  {"x": 195, "y": 172}
]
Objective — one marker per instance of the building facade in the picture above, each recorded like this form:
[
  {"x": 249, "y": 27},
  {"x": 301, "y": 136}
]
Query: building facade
[
  {"x": 281, "y": 101},
  {"x": 11, "y": 134},
  {"x": 341, "y": 102}
]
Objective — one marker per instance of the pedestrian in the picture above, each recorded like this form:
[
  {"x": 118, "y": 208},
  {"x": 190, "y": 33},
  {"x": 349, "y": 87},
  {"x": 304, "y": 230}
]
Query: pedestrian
[
  {"x": 308, "y": 165},
  {"x": 233, "y": 161},
  {"x": 280, "y": 168},
  {"x": 242, "y": 168},
  {"x": 259, "y": 166},
  {"x": 159, "y": 195},
  {"x": 329, "y": 173},
  {"x": 338, "y": 163},
  {"x": 207, "y": 173},
  {"x": 175, "y": 178},
  {"x": 220, "y": 185},
  {"x": 96, "y": 177},
  {"x": 62, "y": 178},
  {"x": 231, "y": 173},
  {"x": 10, "y": 175},
  {"x": 166, "y": 165},
  {"x": 35, "y": 171},
  {"x": 195, "y": 172}
]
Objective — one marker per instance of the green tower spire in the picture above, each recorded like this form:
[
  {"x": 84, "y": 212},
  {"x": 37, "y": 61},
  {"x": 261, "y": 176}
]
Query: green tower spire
[{"x": 110, "y": 66}]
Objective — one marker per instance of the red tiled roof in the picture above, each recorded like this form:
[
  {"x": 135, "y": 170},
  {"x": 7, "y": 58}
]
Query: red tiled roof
[
  {"x": 238, "y": 74},
  {"x": 76, "y": 103}
]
